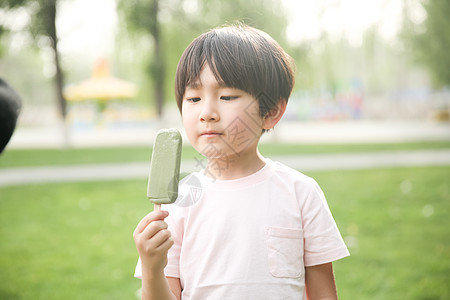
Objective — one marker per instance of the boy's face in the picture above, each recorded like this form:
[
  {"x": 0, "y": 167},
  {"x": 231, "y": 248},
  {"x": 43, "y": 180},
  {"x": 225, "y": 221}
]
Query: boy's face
[{"x": 220, "y": 122}]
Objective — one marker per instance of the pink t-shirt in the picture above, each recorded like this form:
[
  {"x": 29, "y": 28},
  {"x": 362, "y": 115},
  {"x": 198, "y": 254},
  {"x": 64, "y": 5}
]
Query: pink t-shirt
[{"x": 250, "y": 238}]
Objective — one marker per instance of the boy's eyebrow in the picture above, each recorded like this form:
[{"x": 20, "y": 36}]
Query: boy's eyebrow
[{"x": 197, "y": 84}]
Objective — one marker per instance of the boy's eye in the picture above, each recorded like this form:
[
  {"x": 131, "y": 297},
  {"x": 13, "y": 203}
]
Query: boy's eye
[
  {"x": 195, "y": 99},
  {"x": 228, "y": 98}
]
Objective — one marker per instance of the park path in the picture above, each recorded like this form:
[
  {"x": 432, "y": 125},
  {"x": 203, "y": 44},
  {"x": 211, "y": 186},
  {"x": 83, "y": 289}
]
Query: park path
[
  {"x": 287, "y": 132},
  {"x": 304, "y": 163}
]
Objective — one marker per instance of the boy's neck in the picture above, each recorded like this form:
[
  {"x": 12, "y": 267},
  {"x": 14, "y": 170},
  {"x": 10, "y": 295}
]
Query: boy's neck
[{"x": 235, "y": 167}]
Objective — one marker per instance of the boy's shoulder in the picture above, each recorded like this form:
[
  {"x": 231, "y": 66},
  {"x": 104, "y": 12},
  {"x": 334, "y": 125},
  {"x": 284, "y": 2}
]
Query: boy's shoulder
[{"x": 289, "y": 174}]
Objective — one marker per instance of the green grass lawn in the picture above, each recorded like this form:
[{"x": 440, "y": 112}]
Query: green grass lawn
[
  {"x": 74, "y": 240},
  {"x": 397, "y": 226},
  {"x": 40, "y": 157}
]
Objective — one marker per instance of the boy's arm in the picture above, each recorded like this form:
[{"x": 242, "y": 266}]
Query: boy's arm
[
  {"x": 175, "y": 286},
  {"x": 320, "y": 282},
  {"x": 160, "y": 287},
  {"x": 153, "y": 240}
]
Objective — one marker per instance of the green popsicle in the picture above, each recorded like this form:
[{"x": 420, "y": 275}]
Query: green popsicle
[{"x": 165, "y": 168}]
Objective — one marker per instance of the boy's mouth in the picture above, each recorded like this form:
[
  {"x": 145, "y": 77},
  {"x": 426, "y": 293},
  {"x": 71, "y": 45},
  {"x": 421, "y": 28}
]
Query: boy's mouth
[{"x": 210, "y": 134}]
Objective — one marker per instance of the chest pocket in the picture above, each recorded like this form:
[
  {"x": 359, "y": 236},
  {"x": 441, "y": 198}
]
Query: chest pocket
[{"x": 285, "y": 252}]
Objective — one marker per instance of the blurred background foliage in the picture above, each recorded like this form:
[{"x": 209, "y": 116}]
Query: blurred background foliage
[
  {"x": 430, "y": 40},
  {"x": 412, "y": 66}
]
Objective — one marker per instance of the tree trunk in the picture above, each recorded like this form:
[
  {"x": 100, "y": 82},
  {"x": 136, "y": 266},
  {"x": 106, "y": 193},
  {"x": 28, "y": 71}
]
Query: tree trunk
[
  {"x": 49, "y": 10},
  {"x": 50, "y": 27},
  {"x": 158, "y": 65}
]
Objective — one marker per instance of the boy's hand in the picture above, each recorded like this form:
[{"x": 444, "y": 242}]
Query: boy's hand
[{"x": 153, "y": 240}]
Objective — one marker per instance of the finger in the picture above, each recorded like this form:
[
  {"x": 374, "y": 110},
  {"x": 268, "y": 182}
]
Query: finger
[
  {"x": 166, "y": 245},
  {"x": 160, "y": 238},
  {"x": 153, "y": 216},
  {"x": 153, "y": 228}
]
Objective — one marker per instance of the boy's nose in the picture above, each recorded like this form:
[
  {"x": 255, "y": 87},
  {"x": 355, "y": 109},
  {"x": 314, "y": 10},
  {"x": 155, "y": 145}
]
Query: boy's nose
[{"x": 209, "y": 113}]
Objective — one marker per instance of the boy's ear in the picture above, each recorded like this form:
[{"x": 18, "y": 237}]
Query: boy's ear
[{"x": 274, "y": 115}]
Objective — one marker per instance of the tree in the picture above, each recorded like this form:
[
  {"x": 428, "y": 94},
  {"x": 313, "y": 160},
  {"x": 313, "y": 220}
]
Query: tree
[
  {"x": 43, "y": 26},
  {"x": 143, "y": 16},
  {"x": 171, "y": 25},
  {"x": 430, "y": 40}
]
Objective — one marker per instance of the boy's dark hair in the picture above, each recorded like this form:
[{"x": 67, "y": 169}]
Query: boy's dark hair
[{"x": 241, "y": 57}]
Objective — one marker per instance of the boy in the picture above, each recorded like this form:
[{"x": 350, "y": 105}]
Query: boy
[{"x": 258, "y": 229}]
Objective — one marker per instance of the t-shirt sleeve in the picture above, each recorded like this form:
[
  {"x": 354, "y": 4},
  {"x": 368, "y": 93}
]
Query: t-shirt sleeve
[
  {"x": 173, "y": 256},
  {"x": 138, "y": 269},
  {"x": 176, "y": 228},
  {"x": 323, "y": 242}
]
